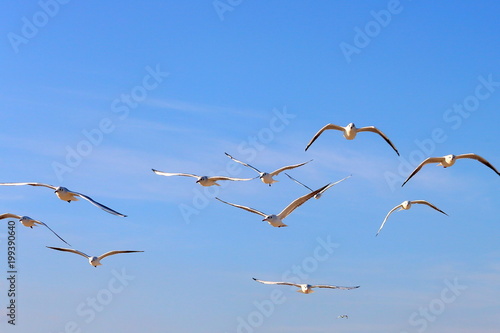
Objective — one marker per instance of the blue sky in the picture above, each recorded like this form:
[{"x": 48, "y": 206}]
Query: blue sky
[{"x": 98, "y": 93}]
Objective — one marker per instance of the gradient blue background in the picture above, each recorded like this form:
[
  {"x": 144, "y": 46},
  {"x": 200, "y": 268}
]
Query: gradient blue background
[{"x": 227, "y": 80}]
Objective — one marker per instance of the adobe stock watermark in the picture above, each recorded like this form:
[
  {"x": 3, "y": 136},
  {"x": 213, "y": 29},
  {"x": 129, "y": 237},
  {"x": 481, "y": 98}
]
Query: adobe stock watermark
[
  {"x": 223, "y": 6},
  {"x": 32, "y": 26},
  {"x": 88, "y": 310},
  {"x": 373, "y": 28},
  {"x": 247, "y": 150},
  {"x": 121, "y": 106},
  {"x": 421, "y": 319},
  {"x": 297, "y": 273},
  {"x": 454, "y": 118}
]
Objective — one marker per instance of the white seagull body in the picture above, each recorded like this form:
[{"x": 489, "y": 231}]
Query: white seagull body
[
  {"x": 317, "y": 196},
  {"x": 350, "y": 132},
  {"x": 407, "y": 205},
  {"x": 305, "y": 288},
  {"x": 265, "y": 177},
  {"x": 448, "y": 161},
  {"x": 29, "y": 222},
  {"x": 277, "y": 220},
  {"x": 202, "y": 180},
  {"x": 66, "y": 195},
  {"x": 94, "y": 261}
]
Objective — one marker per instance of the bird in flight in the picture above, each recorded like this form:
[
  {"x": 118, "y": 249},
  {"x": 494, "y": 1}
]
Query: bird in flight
[
  {"x": 277, "y": 220},
  {"x": 350, "y": 132},
  {"x": 66, "y": 195},
  {"x": 30, "y": 223},
  {"x": 202, "y": 180},
  {"x": 94, "y": 261},
  {"x": 407, "y": 205},
  {"x": 304, "y": 287},
  {"x": 265, "y": 177},
  {"x": 448, "y": 161},
  {"x": 317, "y": 196}
]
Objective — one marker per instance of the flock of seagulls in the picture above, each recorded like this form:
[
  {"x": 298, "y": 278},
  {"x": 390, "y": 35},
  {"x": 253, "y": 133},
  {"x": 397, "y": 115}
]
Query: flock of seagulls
[
  {"x": 276, "y": 220},
  {"x": 66, "y": 195}
]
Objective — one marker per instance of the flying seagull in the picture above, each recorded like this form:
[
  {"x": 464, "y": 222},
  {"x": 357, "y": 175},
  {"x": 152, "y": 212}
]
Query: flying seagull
[
  {"x": 277, "y": 220},
  {"x": 350, "y": 132},
  {"x": 343, "y": 316},
  {"x": 407, "y": 205},
  {"x": 202, "y": 180},
  {"x": 267, "y": 178},
  {"x": 66, "y": 195},
  {"x": 305, "y": 288},
  {"x": 448, "y": 161},
  {"x": 29, "y": 222},
  {"x": 94, "y": 261},
  {"x": 317, "y": 196}
]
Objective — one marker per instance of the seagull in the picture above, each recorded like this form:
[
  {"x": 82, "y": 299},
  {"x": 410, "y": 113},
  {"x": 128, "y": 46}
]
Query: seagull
[
  {"x": 202, "y": 180},
  {"x": 277, "y": 220},
  {"x": 343, "y": 316},
  {"x": 305, "y": 288},
  {"x": 66, "y": 195},
  {"x": 267, "y": 178},
  {"x": 317, "y": 196},
  {"x": 448, "y": 161},
  {"x": 407, "y": 205},
  {"x": 94, "y": 261},
  {"x": 29, "y": 222},
  {"x": 350, "y": 132}
]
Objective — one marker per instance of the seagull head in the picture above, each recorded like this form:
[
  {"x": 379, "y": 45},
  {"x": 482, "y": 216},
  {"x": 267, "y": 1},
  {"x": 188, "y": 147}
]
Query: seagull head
[
  {"x": 61, "y": 189},
  {"x": 94, "y": 261},
  {"x": 270, "y": 218},
  {"x": 405, "y": 205},
  {"x": 351, "y": 126},
  {"x": 27, "y": 221},
  {"x": 306, "y": 289},
  {"x": 202, "y": 179}
]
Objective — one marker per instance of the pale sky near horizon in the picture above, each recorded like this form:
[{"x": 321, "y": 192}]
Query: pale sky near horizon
[{"x": 96, "y": 94}]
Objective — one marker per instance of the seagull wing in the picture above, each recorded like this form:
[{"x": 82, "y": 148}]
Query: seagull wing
[
  {"x": 326, "y": 127},
  {"x": 110, "y": 253},
  {"x": 53, "y": 232},
  {"x": 277, "y": 172},
  {"x": 8, "y": 215},
  {"x": 161, "y": 173},
  {"x": 243, "y": 163},
  {"x": 480, "y": 159},
  {"x": 295, "y": 180},
  {"x": 97, "y": 204},
  {"x": 390, "y": 212},
  {"x": 332, "y": 184},
  {"x": 280, "y": 283},
  {"x": 379, "y": 132},
  {"x": 216, "y": 178},
  {"x": 428, "y": 204},
  {"x": 251, "y": 210},
  {"x": 299, "y": 201},
  {"x": 69, "y": 250},
  {"x": 333, "y": 287},
  {"x": 426, "y": 161},
  {"x": 31, "y": 184}
]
